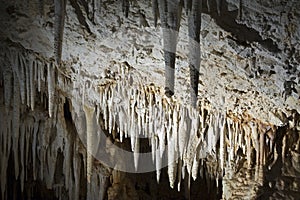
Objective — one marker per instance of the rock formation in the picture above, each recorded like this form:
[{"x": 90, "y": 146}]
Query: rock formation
[{"x": 96, "y": 105}]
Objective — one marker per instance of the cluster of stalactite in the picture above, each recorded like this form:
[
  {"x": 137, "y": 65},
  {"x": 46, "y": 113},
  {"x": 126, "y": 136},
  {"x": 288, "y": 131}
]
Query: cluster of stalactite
[
  {"x": 126, "y": 108},
  {"x": 38, "y": 134},
  {"x": 192, "y": 137},
  {"x": 170, "y": 16}
]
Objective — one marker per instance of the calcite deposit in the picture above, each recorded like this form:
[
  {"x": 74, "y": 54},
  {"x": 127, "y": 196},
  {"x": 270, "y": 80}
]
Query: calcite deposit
[{"x": 141, "y": 99}]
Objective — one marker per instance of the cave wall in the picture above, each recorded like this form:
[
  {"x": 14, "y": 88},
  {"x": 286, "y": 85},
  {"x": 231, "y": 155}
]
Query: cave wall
[{"x": 246, "y": 119}]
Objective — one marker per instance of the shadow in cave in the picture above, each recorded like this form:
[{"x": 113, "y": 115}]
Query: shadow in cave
[
  {"x": 148, "y": 188},
  {"x": 32, "y": 189},
  {"x": 242, "y": 34},
  {"x": 278, "y": 182}
]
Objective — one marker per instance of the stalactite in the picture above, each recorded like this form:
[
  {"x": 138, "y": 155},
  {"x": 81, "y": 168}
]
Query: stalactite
[
  {"x": 31, "y": 82},
  {"x": 16, "y": 123},
  {"x": 254, "y": 137},
  {"x": 4, "y": 154},
  {"x": 179, "y": 167},
  {"x": 195, "y": 167},
  {"x": 172, "y": 146},
  {"x": 170, "y": 15},
  {"x": 262, "y": 148},
  {"x": 51, "y": 87},
  {"x": 136, "y": 152},
  {"x": 39, "y": 76},
  {"x": 22, "y": 173},
  {"x": 183, "y": 134},
  {"x": 191, "y": 134},
  {"x": 76, "y": 171},
  {"x": 194, "y": 141},
  {"x": 219, "y": 6},
  {"x": 158, "y": 164},
  {"x": 247, "y": 131},
  {"x": 155, "y": 11},
  {"x": 98, "y": 6},
  {"x": 210, "y": 137},
  {"x": 188, "y": 5},
  {"x": 34, "y": 149},
  {"x": 93, "y": 13},
  {"x": 231, "y": 142},
  {"x": 240, "y": 12},
  {"x": 8, "y": 87},
  {"x": 41, "y": 7},
  {"x": 194, "y": 27},
  {"x": 125, "y": 7},
  {"x": 89, "y": 115},
  {"x": 208, "y": 5},
  {"x": 59, "y": 23},
  {"x": 223, "y": 132},
  {"x": 27, "y": 81}
]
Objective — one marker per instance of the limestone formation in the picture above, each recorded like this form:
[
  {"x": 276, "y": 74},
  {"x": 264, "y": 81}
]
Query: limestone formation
[{"x": 208, "y": 91}]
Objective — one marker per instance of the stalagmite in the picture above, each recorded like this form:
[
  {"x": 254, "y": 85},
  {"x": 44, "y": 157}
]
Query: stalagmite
[{"x": 89, "y": 115}]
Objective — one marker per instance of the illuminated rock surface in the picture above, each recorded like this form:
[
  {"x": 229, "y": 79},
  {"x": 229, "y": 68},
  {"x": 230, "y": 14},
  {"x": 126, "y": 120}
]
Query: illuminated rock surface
[{"x": 83, "y": 102}]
